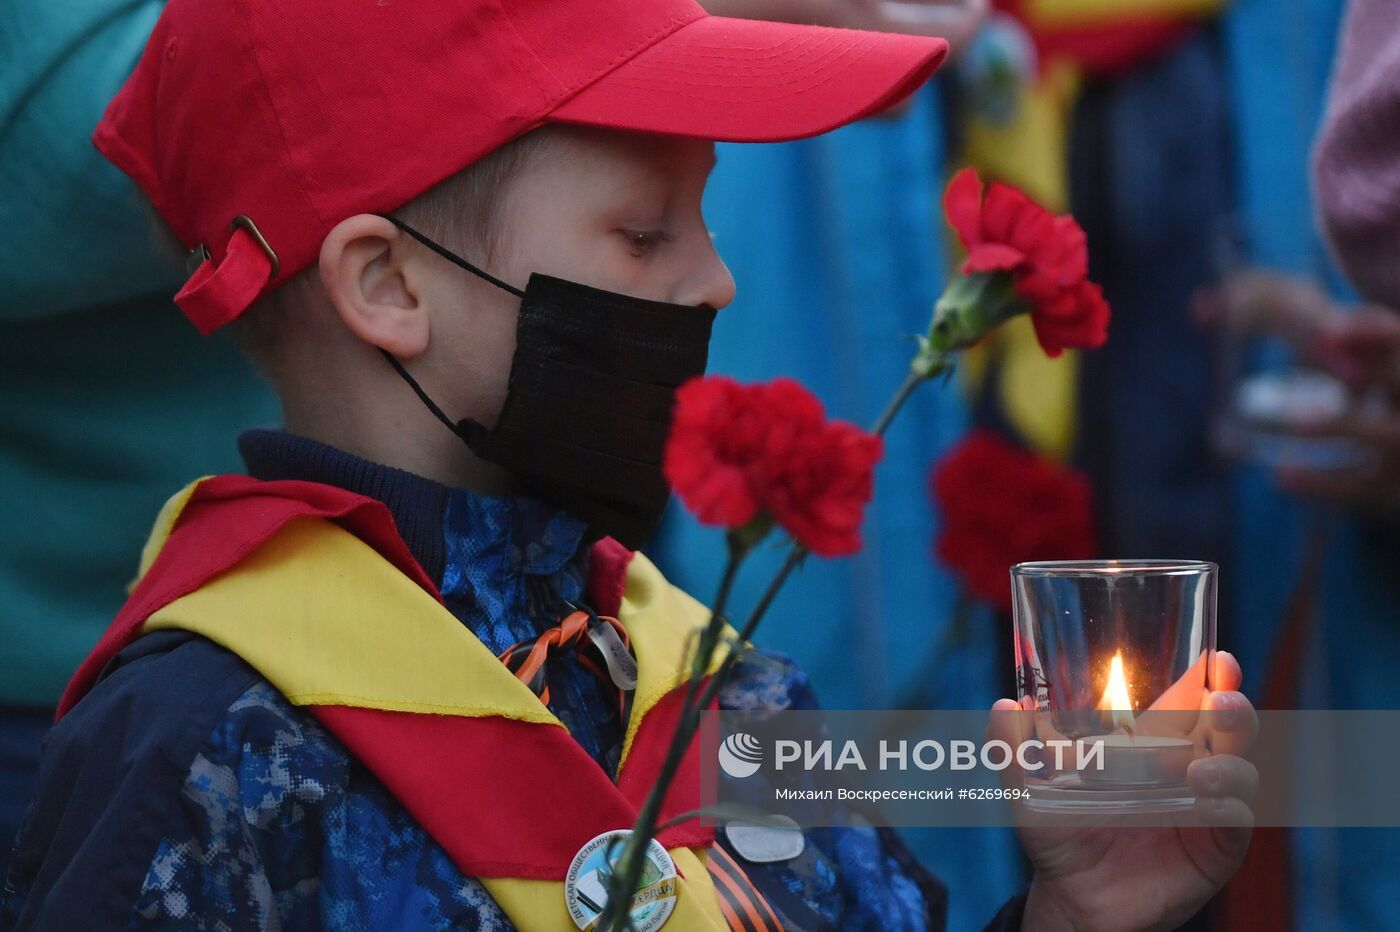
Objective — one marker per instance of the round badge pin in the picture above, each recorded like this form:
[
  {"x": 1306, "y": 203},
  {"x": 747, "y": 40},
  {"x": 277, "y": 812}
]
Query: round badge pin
[{"x": 586, "y": 884}]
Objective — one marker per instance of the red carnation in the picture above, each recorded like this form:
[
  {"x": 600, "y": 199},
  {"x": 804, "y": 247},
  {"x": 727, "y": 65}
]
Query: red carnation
[
  {"x": 1047, "y": 257},
  {"x": 740, "y": 451},
  {"x": 1002, "y": 505}
]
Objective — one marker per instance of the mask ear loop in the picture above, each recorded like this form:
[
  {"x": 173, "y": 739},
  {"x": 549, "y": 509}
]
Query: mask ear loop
[
  {"x": 452, "y": 257},
  {"x": 470, "y": 431}
]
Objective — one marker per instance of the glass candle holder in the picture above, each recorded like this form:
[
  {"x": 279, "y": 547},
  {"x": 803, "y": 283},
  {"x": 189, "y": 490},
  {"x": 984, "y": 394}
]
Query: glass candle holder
[{"x": 1114, "y": 656}]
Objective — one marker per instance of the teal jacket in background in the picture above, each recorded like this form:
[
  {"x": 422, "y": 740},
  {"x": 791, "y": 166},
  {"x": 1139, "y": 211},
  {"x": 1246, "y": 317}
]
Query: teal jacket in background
[{"x": 109, "y": 400}]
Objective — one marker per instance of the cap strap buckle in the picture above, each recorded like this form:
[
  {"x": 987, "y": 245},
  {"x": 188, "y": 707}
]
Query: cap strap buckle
[
  {"x": 243, "y": 221},
  {"x": 215, "y": 295}
]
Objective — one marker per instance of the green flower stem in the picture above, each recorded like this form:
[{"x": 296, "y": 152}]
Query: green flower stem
[
  {"x": 625, "y": 880},
  {"x": 796, "y": 553},
  {"x": 912, "y": 380}
]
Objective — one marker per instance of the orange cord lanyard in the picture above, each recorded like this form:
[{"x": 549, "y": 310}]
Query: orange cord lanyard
[{"x": 527, "y": 658}]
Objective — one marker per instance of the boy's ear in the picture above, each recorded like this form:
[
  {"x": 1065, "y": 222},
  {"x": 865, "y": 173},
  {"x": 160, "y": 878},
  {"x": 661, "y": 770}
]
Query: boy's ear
[{"x": 363, "y": 271}]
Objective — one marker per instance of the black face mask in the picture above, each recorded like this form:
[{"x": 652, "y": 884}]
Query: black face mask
[{"x": 588, "y": 407}]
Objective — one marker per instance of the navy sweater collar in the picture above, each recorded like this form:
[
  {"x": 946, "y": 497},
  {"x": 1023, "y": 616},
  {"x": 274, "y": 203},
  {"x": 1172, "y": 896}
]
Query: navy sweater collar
[{"x": 541, "y": 538}]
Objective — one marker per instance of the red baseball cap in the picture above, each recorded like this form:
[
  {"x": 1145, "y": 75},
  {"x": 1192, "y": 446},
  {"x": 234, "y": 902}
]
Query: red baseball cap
[{"x": 255, "y": 126}]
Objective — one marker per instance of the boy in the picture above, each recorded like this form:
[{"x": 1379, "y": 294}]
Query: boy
[{"x": 300, "y": 720}]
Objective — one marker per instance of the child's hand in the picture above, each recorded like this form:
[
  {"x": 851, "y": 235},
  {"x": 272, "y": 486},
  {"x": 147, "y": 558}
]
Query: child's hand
[{"x": 1121, "y": 878}]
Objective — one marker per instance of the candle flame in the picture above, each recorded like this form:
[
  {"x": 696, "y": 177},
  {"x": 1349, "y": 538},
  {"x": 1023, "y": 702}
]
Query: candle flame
[{"x": 1116, "y": 698}]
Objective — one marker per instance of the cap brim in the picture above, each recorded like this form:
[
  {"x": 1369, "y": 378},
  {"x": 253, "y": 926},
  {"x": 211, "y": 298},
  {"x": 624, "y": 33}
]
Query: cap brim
[{"x": 740, "y": 80}]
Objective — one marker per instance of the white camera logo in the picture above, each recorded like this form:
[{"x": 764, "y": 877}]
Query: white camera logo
[{"x": 740, "y": 755}]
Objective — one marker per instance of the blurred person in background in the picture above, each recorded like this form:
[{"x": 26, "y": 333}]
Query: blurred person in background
[
  {"x": 1318, "y": 547},
  {"x": 1357, "y": 182},
  {"x": 111, "y": 399}
]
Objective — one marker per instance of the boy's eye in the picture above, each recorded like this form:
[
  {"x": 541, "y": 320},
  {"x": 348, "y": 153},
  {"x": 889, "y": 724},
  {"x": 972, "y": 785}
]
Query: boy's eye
[{"x": 642, "y": 242}]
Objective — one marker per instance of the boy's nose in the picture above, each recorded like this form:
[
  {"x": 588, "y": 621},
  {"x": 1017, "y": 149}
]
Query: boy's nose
[{"x": 710, "y": 283}]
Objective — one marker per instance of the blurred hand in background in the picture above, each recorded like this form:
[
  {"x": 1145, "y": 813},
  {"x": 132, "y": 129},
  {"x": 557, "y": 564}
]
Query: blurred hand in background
[{"x": 1358, "y": 346}]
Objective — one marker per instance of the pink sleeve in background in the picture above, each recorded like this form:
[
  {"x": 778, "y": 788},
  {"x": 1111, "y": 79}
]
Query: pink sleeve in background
[{"x": 1356, "y": 161}]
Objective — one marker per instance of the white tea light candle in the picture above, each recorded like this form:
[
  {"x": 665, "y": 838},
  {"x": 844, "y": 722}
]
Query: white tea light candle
[{"x": 1135, "y": 760}]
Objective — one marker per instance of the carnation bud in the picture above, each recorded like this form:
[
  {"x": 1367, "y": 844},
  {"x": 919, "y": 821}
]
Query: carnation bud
[
  {"x": 971, "y": 307},
  {"x": 745, "y": 538}
]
